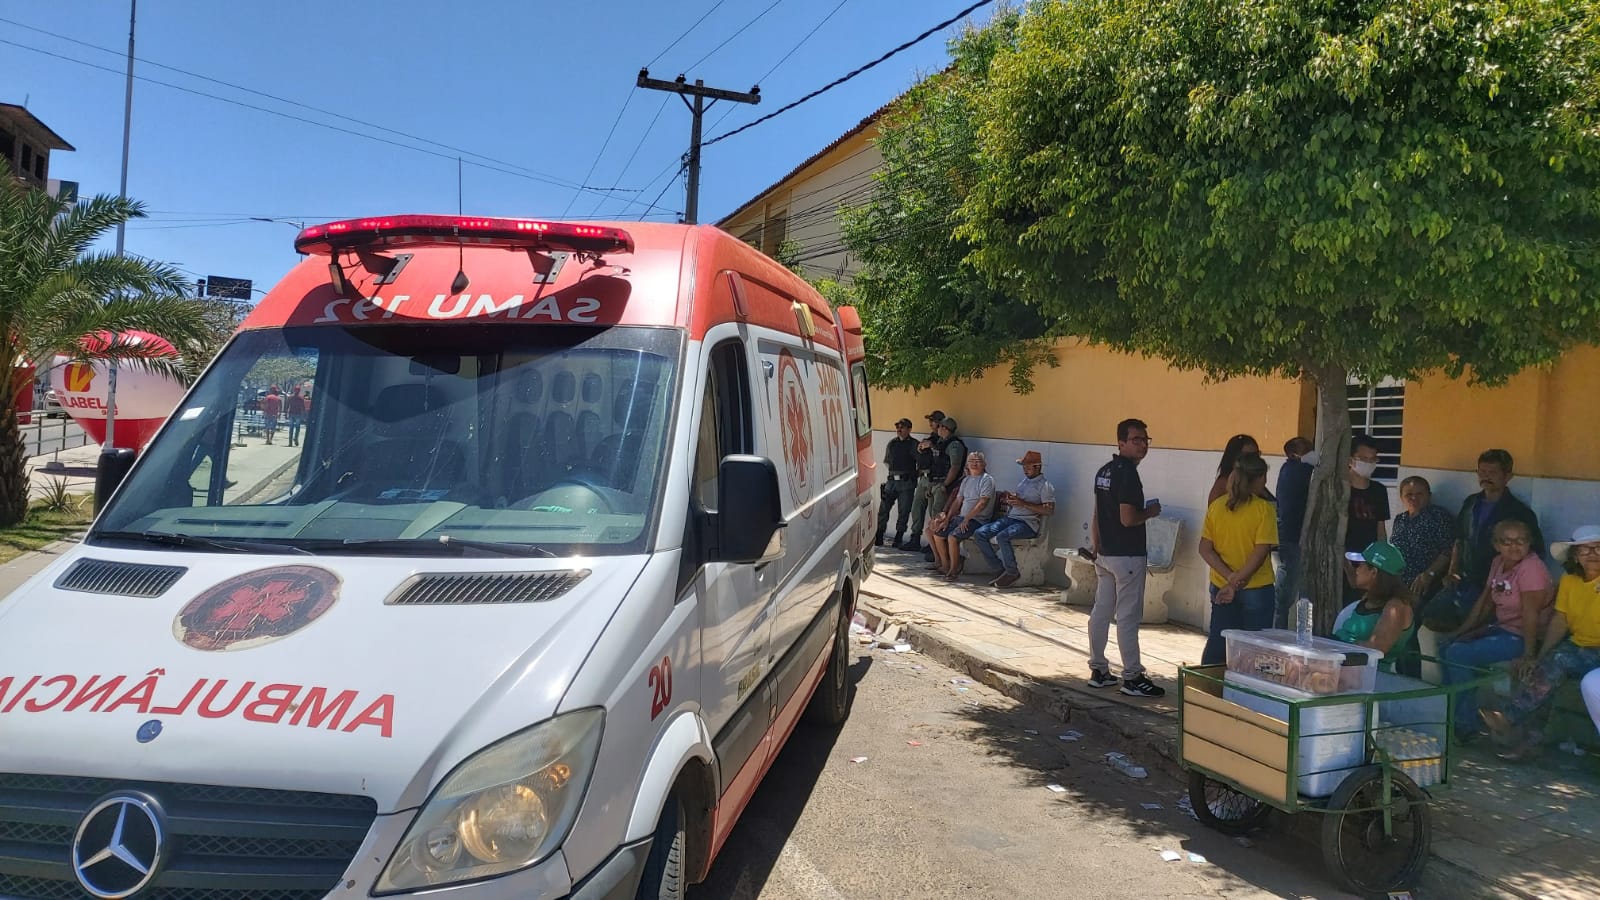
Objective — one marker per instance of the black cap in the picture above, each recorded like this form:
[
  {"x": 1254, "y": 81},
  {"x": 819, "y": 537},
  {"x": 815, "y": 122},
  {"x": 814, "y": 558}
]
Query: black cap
[
  {"x": 937, "y": 416},
  {"x": 903, "y": 423}
]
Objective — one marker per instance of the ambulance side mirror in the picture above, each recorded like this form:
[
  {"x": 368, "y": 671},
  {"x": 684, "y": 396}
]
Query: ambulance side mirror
[{"x": 749, "y": 516}]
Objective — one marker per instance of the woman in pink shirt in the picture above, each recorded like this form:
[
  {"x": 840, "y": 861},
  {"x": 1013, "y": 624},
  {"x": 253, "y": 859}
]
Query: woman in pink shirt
[{"x": 1506, "y": 622}]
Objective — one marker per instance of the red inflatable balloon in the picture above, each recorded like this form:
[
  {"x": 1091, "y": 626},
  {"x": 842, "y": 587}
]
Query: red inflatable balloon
[{"x": 144, "y": 399}]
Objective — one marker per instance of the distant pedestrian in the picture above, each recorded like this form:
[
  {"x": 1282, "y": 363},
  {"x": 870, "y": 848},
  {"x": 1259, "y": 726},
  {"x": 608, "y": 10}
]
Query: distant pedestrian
[
  {"x": 900, "y": 461},
  {"x": 1118, "y": 536},
  {"x": 1239, "y": 533},
  {"x": 1294, "y": 488},
  {"x": 1032, "y": 501},
  {"x": 271, "y": 407},
  {"x": 294, "y": 409},
  {"x": 924, "y": 497}
]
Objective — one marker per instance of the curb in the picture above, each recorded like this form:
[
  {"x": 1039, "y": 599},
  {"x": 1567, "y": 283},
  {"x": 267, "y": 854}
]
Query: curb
[
  {"x": 250, "y": 494},
  {"x": 1147, "y": 731}
]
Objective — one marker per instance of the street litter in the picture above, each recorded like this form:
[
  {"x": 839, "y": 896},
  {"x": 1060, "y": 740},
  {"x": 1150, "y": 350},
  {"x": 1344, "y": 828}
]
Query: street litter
[
  {"x": 1123, "y": 764},
  {"x": 1056, "y": 788},
  {"x": 1151, "y": 805},
  {"x": 962, "y": 681},
  {"x": 919, "y": 668},
  {"x": 1030, "y": 731},
  {"x": 1187, "y": 806},
  {"x": 1072, "y": 736},
  {"x": 961, "y": 690},
  {"x": 858, "y": 759},
  {"x": 913, "y": 743},
  {"x": 1196, "y": 858},
  {"x": 1399, "y": 895},
  {"x": 889, "y": 636},
  {"x": 902, "y": 648},
  {"x": 1171, "y": 855}
]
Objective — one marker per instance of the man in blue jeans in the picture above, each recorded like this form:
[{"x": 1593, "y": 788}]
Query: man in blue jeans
[{"x": 1033, "y": 499}]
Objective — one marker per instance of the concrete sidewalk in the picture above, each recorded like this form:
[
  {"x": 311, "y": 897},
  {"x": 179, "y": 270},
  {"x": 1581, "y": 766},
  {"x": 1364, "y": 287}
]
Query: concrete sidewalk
[{"x": 1529, "y": 831}]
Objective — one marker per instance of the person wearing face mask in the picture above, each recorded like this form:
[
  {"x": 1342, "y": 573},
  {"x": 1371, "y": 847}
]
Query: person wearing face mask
[{"x": 1369, "y": 500}]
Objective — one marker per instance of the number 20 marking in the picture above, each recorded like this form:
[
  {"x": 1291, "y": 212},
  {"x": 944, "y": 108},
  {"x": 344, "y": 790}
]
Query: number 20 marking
[{"x": 661, "y": 683}]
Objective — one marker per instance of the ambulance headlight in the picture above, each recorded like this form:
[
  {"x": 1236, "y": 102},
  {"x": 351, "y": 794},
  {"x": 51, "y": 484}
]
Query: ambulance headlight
[{"x": 505, "y": 808}]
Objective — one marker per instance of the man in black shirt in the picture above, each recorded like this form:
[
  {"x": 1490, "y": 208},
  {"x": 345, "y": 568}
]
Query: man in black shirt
[
  {"x": 1117, "y": 531},
  {"x": 929, "y": 450},
  {"x": 900, "y": 460}
]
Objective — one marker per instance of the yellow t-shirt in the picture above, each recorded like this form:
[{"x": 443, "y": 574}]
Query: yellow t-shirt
[
  {"x": 1579, "y": 601},
  {"x": 1236, "y": 532}
]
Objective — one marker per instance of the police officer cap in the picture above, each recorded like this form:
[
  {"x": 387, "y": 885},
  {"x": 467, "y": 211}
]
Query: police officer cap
[{"x": 949, "y": 423}]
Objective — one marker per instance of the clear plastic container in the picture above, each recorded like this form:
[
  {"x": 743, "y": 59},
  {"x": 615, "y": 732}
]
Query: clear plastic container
[{"x": 1324, "y": 667}]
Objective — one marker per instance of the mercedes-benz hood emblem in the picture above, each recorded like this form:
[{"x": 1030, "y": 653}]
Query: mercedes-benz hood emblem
[{"x": 119, "y": 847}]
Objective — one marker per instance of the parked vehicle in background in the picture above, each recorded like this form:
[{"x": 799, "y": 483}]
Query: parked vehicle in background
[{"x": 573, "y": 536}]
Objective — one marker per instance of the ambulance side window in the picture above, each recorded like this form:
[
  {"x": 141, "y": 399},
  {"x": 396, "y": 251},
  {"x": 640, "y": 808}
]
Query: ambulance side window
[
  {"x": 863, "y": 403},
  {"x": 725, "y": 419}
]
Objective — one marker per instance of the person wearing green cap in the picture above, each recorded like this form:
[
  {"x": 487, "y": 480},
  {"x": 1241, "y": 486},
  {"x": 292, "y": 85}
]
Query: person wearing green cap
[{"x": 1382, "y": 617}]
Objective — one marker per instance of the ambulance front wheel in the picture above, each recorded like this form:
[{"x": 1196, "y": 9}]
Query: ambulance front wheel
[
  {"x": 830, "y": 703},
  {"x": 662, "y": 878}
]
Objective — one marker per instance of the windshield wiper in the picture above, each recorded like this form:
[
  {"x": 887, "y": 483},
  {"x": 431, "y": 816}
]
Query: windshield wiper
[
  {"x": 504, "y": 549},
  {"x": 175, "y": 539}
]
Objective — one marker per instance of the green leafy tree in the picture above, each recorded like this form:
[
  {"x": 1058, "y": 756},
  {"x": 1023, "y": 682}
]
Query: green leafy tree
[
  {"x": 1304, "y": 189},
  {"x": 54, "y": 291},
  {"x": 928, "y": 315}
]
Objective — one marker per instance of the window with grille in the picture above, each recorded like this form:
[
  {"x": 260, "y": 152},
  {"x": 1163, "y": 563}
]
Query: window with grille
[{"x": 1379, "y": 410}]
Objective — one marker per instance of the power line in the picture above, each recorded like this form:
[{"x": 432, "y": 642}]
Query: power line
[
  {"x": 626, "y": 99},
  {"x": 785, "y": 58},
  {"x": 729, "y": 38},
  {"x": 642, "y": 138},
  {"x": 269, "y": 96},
  {"x": 527, "y": 174},
  {"x": 686, "y": 33},
  {"x": 849, "y": 75},
  {"x": 666, "y": 187}
]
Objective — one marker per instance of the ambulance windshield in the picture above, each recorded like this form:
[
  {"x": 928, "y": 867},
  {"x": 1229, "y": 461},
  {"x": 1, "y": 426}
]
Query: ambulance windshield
[{"x": 469, "y": 439}]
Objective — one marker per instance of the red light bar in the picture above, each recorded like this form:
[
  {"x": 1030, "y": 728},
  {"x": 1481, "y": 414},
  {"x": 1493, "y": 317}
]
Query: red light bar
[{"x": 475, "y": 230}]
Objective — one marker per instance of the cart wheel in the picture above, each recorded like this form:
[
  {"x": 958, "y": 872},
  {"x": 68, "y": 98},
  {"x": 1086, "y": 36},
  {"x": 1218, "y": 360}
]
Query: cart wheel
[
  {"x": 1223, "y": 808},
  {"x": 1354, "y": 847}
]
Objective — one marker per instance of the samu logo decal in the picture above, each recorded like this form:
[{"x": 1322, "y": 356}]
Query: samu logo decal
[
  {"x": 794, "y": 417},
  {"x": 256, "y": 608}
]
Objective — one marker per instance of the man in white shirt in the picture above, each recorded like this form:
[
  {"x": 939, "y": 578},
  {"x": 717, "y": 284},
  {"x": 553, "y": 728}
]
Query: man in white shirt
[{"x": 1033, "y": 499}]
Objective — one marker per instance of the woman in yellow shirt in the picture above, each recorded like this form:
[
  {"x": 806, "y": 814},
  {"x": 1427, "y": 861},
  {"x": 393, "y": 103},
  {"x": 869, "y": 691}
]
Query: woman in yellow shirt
[
  {"x": 1571, "y": 646},
  {"x": 1239, "y": 533}
]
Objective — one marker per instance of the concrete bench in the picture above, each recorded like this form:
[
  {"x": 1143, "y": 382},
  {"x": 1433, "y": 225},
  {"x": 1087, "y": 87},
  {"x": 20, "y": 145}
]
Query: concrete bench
[
  {"x": 1161, "y": 540},
  {"x": 1032, "y": 556}
]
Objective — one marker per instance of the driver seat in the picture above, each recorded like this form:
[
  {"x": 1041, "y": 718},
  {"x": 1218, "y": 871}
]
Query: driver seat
[{"x": 412, "y": 452}]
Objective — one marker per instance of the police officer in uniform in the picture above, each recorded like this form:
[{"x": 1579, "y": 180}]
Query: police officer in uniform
[
  {"x": 929, "y": 449},
  {"x": 900, "y": 458}
]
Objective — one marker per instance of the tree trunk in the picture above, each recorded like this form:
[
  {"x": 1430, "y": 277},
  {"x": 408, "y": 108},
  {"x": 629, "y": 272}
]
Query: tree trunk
[
  {"x": 13, "y": 465},
  {"x": 1328, "y": 505}
]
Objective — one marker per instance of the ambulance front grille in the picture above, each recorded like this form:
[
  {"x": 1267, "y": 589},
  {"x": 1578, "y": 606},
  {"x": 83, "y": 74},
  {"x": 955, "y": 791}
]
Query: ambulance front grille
[
  {"x": 100, "y": 576},
  {"x": 226, "y": 843},
  {"x": 496, "y": 587}
]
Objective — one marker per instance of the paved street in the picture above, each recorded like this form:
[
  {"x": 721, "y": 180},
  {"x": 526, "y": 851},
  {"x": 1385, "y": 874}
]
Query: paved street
[
  {"x": 44, "y": 436},
  {"x": 968, "y": 812}
]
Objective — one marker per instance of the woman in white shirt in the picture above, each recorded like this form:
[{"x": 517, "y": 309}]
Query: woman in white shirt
[{"x": 968, "y": 507}]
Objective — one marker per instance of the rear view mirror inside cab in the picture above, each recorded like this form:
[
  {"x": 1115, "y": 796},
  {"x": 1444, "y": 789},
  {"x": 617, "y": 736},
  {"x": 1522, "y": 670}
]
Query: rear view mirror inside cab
[{"x": 438, "y": 364}]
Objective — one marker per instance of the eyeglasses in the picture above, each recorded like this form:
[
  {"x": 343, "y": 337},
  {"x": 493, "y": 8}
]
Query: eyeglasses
[
  {"x": 1587, "y": 549},
  {"x": 1138, "y": 440}
]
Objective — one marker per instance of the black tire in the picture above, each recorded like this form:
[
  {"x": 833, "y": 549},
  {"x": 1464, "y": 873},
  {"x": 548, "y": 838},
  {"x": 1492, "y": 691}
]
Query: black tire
[
  {"x": 1357, "y": 853},
  {"x": 830, "y": 703},
  {"x": 662, "y": 878},
  {"x": 1222, "y": 808}
]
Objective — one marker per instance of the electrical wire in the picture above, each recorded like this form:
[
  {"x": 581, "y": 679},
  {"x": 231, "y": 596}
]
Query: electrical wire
[
  {"x": 686, "y": 33},
  {"x": 631, "y": 156},
  {"x": 729, "y": 38},
  {"x": 527, "y": 174},
  {"x": 627, "y": 98},
  {"x": 852, "y": 74},
  {"x": 779, "y": 64},
  {"x": 664, "y": 189}
]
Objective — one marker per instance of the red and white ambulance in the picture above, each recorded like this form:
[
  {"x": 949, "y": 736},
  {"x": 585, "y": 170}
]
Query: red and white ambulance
[{"x": 567, "y": 537}]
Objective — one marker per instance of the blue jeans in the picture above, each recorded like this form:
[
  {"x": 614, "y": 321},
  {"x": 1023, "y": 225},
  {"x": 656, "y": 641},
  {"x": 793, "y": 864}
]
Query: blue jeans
[
  {"x": 1003, "y": 531},
  {"x": 1252, "y": 609},
  {"x": 1493, "y": 646},
  {"x": 1288, "y": 587}
]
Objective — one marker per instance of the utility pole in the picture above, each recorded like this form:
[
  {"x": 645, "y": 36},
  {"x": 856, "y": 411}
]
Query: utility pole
[
  {"x": 700, "y": 93},
  {"x": 127, "y": 130}
]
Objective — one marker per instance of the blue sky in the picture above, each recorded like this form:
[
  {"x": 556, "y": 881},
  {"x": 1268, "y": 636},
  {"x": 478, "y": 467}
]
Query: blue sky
[{"x": 533, "y": 86}]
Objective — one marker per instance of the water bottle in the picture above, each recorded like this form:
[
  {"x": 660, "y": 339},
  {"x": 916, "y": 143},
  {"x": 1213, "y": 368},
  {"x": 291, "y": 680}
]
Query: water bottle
[{"x": 1302, "y": 621}]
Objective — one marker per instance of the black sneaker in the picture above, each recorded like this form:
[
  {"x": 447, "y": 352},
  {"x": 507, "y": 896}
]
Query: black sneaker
[
  {"x": 1142, "y": 687},
  {"x": 1099, "y": 678}
]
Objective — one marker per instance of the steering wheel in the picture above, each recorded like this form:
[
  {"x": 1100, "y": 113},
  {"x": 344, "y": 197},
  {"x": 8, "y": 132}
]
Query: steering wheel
[{"x": 589, "y": 495}]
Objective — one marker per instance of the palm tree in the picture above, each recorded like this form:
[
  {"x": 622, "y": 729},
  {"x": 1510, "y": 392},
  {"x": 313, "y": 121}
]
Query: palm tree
[{"x": 54, "y": 292}]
